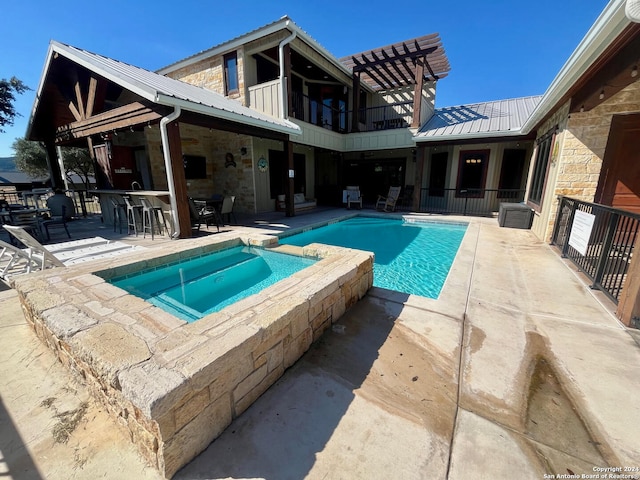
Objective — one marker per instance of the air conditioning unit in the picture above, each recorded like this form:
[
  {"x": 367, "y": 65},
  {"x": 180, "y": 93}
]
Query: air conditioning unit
[{"x": 515, "y": 215}]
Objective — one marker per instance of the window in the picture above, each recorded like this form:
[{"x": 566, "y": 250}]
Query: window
[
  {"x": 230, "y": 73},
  {"x": 472, "y": 173},
  {"x": 543, "y": 155}
]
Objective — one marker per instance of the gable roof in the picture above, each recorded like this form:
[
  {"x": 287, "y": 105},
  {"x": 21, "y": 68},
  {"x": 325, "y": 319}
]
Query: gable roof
[
  {"x": 161, "y": 90},
  {"x": 500, "y": 118}
]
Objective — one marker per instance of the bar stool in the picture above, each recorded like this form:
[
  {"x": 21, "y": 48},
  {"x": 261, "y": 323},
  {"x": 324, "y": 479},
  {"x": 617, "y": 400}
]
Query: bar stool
[
  {"x": 150, "y": 218},
  {"x": 133, "y": 211},
  {"x": 119, "y": 212}
]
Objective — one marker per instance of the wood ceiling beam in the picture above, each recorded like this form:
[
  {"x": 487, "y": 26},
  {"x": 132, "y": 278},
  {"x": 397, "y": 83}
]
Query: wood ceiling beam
[{"x": 130, "y": 115}]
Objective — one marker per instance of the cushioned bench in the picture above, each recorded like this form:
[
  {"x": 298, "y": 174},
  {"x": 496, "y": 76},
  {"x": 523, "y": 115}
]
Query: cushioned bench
[{"x": 300, "y": 203}]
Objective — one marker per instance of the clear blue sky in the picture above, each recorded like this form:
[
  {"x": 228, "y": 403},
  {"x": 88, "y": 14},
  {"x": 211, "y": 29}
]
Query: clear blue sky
[{"x": 497, "y": 49}]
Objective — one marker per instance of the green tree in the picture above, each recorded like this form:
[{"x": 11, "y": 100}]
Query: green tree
[
  {"x": 31, "y": 158},
  {"x": 7, "y": 90}
]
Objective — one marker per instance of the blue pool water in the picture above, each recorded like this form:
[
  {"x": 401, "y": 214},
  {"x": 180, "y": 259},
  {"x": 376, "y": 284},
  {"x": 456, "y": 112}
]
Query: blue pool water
[
  {"x": 410, "y": 257},
  {"x": 191, "y": 289}
]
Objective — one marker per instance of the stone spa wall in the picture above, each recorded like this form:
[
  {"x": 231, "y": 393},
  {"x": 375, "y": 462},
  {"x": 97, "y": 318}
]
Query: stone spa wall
[{"x": 175, "y": 386}]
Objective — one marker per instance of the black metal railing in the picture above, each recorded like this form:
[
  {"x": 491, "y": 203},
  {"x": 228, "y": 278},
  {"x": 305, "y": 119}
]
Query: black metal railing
[
  {"x": 600, "y": 242},
  {"x": 338, "y": 119},
  {"x": 85, "y": 202},
  {"x": 478, "y": 202},
  {"x": 385, "y": 117}
]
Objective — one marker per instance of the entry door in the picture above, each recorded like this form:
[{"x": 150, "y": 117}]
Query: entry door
[{"x": 619, "y": 184}]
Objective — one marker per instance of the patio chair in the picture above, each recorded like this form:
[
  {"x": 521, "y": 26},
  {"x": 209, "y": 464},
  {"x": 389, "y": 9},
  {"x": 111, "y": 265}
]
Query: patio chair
[
  {"x": 353, "y": 196},
  {"x": 227, "y": 208},
  {"x": 200, "y": 214},
  {"x": 56, "y": 222},
  {"x": 67, "y": 253},
  {"x": 388, "y": 203}
]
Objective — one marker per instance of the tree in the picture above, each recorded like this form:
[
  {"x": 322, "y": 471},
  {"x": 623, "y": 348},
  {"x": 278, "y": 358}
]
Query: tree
[
  {"x": 7, "y": 97},
  {"x": 31, "y": 158}
]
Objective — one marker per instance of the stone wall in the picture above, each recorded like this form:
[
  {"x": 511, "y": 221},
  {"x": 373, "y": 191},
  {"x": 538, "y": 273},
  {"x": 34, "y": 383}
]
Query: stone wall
[
  {"x": 213, "y": 145},
  {"x": 174, "y": 387},
  {"x": 583, "y": 144}
]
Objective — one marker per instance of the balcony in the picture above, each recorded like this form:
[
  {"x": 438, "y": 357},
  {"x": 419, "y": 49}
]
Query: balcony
[{"x": 331, "y": 115}]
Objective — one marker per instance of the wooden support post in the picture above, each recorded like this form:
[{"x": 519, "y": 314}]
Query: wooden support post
[
  {"x": 417, "y": 92},
  {"x": 629, "y": 302},
  {"x": 290, "y": 180},
  {"x": 287, "y": 79},
  {"x": 179, "y": 179},
  {"x": 355, "y": 113},
  {"x": 54, "y": 167},
  {"x": 417, "y": 190}
]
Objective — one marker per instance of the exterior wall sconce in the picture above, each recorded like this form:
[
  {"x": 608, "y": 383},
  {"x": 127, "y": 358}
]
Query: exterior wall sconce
[
  {"x": 634, "y": 71},
  {"x": 601, "y": 94}
]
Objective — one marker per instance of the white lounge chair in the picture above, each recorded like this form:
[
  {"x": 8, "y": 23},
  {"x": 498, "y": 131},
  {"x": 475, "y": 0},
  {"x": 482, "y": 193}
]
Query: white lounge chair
[
  {"x": 15, "y": 261},
  {"x": 65, "y": 253}
]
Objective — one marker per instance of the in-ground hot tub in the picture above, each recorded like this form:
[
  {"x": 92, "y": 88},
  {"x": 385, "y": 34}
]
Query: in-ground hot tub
[
  {"x": 193, "y": 288},
  {"x": 174, "y": 385}
]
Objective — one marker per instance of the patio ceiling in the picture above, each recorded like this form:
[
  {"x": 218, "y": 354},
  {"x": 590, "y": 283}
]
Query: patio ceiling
[{"x": 395, "y": 65}]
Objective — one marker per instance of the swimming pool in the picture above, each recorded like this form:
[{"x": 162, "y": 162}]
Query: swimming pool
[
  {"x": 410, "y": 256},
  {"x": 193, "y": 288}
]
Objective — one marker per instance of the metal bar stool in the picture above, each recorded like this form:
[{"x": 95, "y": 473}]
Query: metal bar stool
[
  {"x": 150, "y": 218},
  {"x": 133, "y": 212},
  {"x": 119, "y": 213}
]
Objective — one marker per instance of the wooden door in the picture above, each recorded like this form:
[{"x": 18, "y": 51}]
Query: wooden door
[{"x": 619, "y": 184}]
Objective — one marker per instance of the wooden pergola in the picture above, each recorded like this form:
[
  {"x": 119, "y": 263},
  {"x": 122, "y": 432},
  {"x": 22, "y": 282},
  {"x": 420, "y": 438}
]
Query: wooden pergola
[{"x": 411, "y": 62}]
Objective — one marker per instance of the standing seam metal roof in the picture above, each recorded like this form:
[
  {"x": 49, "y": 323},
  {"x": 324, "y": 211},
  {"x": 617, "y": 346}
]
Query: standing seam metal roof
[
  {"x": 154, "y": 87},
  {"x": 497, "y": 117}
]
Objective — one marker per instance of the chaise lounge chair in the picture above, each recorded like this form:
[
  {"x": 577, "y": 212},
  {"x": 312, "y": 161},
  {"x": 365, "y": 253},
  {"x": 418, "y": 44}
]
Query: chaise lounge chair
[
  {"x": 388, "y": 203},
  {"x": 38, "y": 257}
]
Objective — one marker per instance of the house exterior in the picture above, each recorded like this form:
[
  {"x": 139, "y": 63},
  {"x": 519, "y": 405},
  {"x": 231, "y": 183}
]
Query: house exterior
[{"x": 272, "y": 113}]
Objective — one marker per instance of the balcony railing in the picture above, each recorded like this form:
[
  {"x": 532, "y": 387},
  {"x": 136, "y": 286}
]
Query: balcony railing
[
  {"x": 478, "y": 202},
  {"x": 609, "y": 248},
  {"x": 385, "y": 117}
]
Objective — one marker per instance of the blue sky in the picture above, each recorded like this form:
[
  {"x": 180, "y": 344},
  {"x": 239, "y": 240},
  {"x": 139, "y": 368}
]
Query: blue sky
[{"x": 497, "y": 49}]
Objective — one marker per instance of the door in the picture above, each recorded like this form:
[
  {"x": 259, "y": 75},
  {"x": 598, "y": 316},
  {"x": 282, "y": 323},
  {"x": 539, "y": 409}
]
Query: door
[
  {"x": 512, "y": 174},
  {"x": 619, "y": 184}
]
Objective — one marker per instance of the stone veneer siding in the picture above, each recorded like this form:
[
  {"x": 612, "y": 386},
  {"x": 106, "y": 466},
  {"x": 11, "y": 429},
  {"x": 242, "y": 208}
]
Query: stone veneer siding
[
  {"x": 175, "y": 386},
  {"x": 583, "y": 145},
  {"x": 213, "y": 145}
]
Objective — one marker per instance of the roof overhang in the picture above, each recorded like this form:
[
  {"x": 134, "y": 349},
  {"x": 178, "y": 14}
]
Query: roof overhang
[
  {"x": 603, "y": 33},
  {"x": 284, "y": 23},
  {"x": 149, "y": 86}
]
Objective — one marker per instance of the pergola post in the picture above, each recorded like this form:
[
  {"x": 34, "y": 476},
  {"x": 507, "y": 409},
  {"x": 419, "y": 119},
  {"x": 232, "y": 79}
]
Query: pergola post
[
  {"x": 417, "y": 92},
  {"x": 628, "y": 310}
]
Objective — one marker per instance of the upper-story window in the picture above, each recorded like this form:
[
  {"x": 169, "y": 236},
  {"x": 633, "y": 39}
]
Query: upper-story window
[{"x": 231, "y": 73}]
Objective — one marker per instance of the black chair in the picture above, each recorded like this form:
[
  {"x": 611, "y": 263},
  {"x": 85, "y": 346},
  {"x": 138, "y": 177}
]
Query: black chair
[
  {"x": 200, "y": 214},
  {"x": 57, "y": 223}
]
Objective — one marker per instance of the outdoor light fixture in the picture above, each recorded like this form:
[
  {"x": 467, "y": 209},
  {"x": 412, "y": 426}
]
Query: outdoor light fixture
[
  {"x": 601, "y": 94},
  {"x": 634, "y": 71},
  {"x": 582, "y": 109}
]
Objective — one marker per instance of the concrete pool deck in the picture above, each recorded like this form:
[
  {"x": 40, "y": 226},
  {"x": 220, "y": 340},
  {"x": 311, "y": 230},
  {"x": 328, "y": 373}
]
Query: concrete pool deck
[{"x": 482, "y": 383}]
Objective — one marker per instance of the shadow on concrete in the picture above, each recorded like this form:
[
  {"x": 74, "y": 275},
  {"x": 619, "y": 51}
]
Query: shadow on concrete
[
  {"x": 15, "y": 461},
  {"x": 282, "y": 435}
]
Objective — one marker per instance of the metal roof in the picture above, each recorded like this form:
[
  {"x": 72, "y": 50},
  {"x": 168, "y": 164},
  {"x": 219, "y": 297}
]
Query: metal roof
[
  {"x": 487, "y": 119},
  {"x": 165, "y": 91}
]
